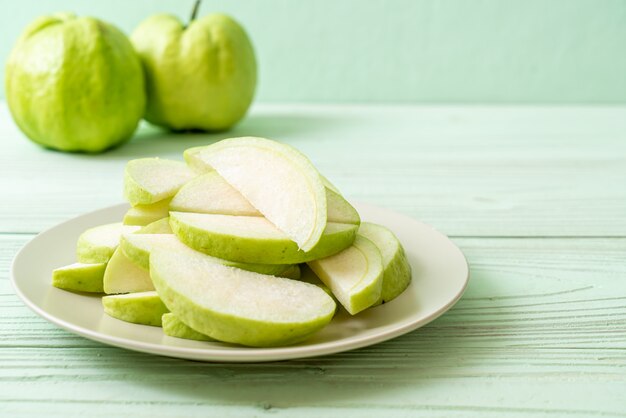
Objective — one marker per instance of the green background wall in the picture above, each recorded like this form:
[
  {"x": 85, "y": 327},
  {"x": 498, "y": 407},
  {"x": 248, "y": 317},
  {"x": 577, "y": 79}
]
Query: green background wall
[{"x": 494, "y": 51}]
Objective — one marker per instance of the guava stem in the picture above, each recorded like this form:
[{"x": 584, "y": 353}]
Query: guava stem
[{"x": 194, "y": 12}]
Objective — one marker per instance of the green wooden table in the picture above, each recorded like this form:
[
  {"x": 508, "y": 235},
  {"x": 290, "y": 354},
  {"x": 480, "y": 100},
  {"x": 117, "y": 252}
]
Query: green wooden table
[{"x": 535, "y": 196}]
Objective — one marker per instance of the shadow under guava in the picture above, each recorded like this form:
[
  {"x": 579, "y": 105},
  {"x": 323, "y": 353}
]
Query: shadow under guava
[
  {"x": 419, "y": 359},
  {"x": 278, "y": 124},
  {"x": 353, "y": 378}
]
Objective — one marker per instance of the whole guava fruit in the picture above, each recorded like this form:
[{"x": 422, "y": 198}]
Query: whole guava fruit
[
  {"x": 198, "y": 76},
  {"x": 75, "y": 84}
]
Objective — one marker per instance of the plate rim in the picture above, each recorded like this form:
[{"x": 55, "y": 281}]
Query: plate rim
[{"x": 253, "y": 354}]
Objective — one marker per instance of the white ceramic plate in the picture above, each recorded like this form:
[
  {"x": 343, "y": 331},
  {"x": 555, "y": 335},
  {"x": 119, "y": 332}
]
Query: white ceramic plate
[{"x": 440, "y": 275}]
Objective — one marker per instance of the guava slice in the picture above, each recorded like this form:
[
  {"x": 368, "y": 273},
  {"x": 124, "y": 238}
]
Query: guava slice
[
  {"x": 124, "y": 276},
  {"x": 210, "y": 193},
  {"x": 253, "y": 239},
  {"x": 174, "y": 327},
  {"x": 355, "y": 275},
  {"x": 96, "y": 245},
  {"x": 146, "y": 214},
  {"x": 279, "y": 181},
  {"x": 397, "y": 270},
  {"x": 80, "y": 277},
  {"x": 150, "y": 180},
  {"x": 137, "y": 247},
  {"x": 238, "y": 306},
  {"x": 145, "y": 308}
]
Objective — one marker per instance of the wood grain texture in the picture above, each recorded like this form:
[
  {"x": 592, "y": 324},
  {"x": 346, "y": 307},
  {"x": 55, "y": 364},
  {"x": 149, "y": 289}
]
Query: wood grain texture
[
  {"x": 540, "y": 332},
  {"x": 469, "y": 171},
  {"x": 534, "y": 196}
]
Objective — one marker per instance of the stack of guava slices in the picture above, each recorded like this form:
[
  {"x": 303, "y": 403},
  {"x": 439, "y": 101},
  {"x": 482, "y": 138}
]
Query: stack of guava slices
[{"x": 246, "y": 242}]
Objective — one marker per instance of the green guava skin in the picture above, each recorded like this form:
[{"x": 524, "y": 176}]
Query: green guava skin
[
  {"x": 198, "y": 77},
  {"x": 144, "y": 308},
  {"x": 259, "y": 250},
  {"x": 80, "y": 278},
  {"x": 397, "y": 270},
  {"x": 75, "y": 84},
  {"x": 174, "y": 327},
  {"x": 141, "y": 257},
  {"x": 223, "y": 326}
]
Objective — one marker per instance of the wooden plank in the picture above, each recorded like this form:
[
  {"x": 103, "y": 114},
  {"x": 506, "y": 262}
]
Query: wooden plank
[
  {"x": 541, "y": 332},
  {"x": 469, "y": 171}
]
